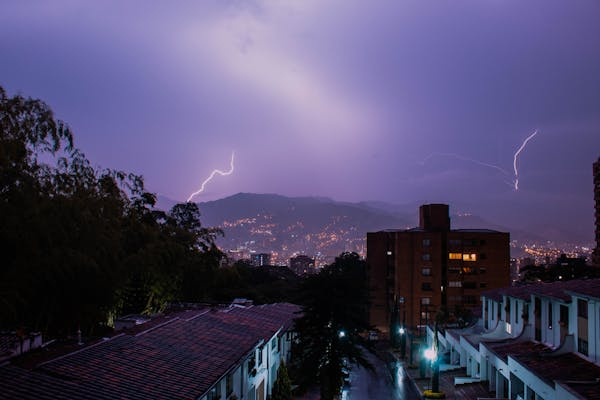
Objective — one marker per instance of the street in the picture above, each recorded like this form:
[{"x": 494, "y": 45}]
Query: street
[{"x": 387, "y": 381}]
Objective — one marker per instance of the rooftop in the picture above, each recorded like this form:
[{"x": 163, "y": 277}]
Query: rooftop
[
  {"x": 177, "y": 357},
  {"x": 561, "y": 290}
]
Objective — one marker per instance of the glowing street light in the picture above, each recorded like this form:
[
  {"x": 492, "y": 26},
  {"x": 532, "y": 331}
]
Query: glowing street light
[
  {"x": 401, "y": 331},
  {"x": 341, "y": 334},
  {"x": 430, "y": 354}
]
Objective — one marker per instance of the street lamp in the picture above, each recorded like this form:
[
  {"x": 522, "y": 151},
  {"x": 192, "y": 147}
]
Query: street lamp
[
  {"x": 341, "y": 333},
  {"x": 402, "y": 332},
  {"x": 431, "y": 355}
]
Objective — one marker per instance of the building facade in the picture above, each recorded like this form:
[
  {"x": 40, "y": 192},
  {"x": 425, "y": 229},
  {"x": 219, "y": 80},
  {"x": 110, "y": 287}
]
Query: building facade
[
  {"x": 412, "y": 273},
  {"x": 533, "y": 342},
  {"x": 260, "y": 259}
]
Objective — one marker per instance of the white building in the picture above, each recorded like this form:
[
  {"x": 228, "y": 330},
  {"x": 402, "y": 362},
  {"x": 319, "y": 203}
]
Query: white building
[{"x": 534, "y": 342}]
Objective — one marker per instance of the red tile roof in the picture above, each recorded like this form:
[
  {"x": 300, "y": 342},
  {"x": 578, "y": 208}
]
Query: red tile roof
[
  {"x": 573, "y": 371},
  {"x": 181, "y": 357},
  {"x": 514, "y": 348},
  {"x": 559, "y": 290}
]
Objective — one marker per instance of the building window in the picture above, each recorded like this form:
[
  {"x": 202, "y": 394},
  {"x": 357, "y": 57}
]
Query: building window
[
  {"x": 468, "y": 270},
  {"x": 426, "y": 271},
  {"x": 582, "y": 346},
  {"x": 425, "y": 300},
  {"x": 454, "y": 284},
  {"x": 426, "y": 257},
  {"x": 228, "y": 385},
  {"x": 469, "y": 257},
  {"x": 389, "y": 253},
  {"x": 454, "y": 242},
  {"x": 470, "y": 299},
  {"x": 453, "y": 270},
  {"x": 454, "y": 256},
  {"x": 214, "y": 393},
  {"x": 426, "y": 242},
  {"x": 564, "y": 315},
  {"x": 260, "y": 356},
  {"x": 455, "y": 299},
  {"x": 470, "y": 285},
  {"x": 482, "y": 270},
  {"x": 582, "y": 308},
  {"x": 426, "y": 286},
  {"x": 274, "y": 343}
]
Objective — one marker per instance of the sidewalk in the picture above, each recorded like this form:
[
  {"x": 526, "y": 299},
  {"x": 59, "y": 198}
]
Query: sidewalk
[{"x": 447, "y": 375}]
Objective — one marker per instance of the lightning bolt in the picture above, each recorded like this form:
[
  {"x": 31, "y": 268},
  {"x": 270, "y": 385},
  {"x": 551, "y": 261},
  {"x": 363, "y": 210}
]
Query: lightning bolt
[
  {"x": 515, "y": 182},
  {"x": 458, "y": 156},
  {"x": 519, "y": 150},
  {"x": 211, "y": 176}
]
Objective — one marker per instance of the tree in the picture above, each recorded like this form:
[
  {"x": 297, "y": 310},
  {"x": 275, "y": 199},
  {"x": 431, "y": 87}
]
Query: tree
[
  {"x": 282, "y": 388},
  {"x": 78, "y": 244},
  {"x": 333, "y": 326}
]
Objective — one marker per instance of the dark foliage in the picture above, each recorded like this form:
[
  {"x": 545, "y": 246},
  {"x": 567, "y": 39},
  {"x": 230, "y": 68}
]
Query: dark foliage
[
  {"x": 80, "y": 245},
  {"x": 332, "y": 330}
]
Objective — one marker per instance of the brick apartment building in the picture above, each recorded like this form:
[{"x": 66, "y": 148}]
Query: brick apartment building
[{"x": 415, "y": 271}]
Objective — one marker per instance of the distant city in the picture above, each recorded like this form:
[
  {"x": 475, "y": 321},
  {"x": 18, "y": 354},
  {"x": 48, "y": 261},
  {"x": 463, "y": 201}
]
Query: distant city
[{"x": 286, "y": 227}]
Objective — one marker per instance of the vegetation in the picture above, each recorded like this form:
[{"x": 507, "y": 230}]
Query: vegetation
[
  {"x": 556, "y": 272},
  {"x": 332, "y": 330},
  {"x": 282, "y": 387}
]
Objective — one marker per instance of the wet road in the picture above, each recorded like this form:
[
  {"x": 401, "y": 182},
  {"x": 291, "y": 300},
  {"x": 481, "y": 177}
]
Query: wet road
[{"x": 387, "y": 381}]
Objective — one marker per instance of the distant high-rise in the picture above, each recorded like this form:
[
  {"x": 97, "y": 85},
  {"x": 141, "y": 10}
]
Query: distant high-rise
[
  {"x": 412, "y": 273},
  {"x": 596, "y": 254},
  {"x": 260, "y": 259}
]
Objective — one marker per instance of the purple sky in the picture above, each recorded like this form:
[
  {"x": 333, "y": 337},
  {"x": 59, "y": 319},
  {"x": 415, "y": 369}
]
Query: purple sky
[{"x": 337, "y": 98}]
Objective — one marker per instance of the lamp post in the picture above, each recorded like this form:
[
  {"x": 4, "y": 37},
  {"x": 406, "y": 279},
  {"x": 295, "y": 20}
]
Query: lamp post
[
  {"x": 432, "y": 355},
  {"x": 402, "y": 333}
]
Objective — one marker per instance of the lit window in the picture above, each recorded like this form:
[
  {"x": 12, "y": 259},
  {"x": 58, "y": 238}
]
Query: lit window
[
  {"x": 508, "y": 329},
  {"x": 454, "y": 284},
  {"x": 455, "y": 256},
  {"x": 469, "y": 257},
  {"x": 426, "y": 271},
  {"x": 426, "y": 257},
  {"x": 425, "y": 300},
  {"x": 389, "y": 253}
]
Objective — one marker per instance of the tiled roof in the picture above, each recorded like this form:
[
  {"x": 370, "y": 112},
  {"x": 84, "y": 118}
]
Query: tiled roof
[
  {"x": 182, "y": 357},
  {"x": 513, "y": 348},
  {"x": 573, "y": 371},
  {"x": 561, "y": 290}
]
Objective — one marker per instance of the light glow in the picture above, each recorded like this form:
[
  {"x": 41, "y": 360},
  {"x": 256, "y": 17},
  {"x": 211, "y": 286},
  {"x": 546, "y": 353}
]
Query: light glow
[
  {"x": 430, "y": 354},
  {"x": 211, "y": 176}
]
